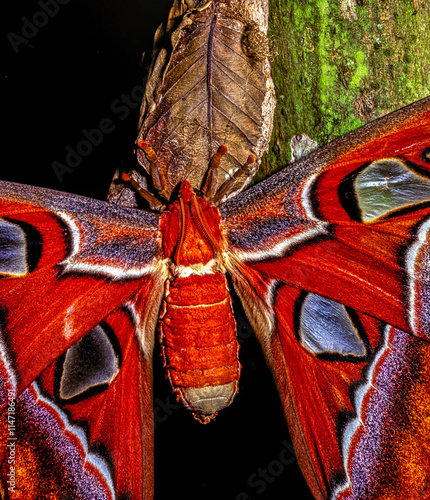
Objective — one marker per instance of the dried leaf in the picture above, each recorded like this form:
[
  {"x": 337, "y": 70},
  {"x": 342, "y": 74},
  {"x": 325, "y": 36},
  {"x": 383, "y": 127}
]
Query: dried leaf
[{"x": 216, "y": 89}]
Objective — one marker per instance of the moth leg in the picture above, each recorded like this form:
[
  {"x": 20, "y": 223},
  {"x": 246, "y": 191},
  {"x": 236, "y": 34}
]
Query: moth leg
[
  {"x": 144, "y": 193},
  {"x": 158, "y": 176},
  {"x": 226, "y": 187},
  {"x": 211, "y": 180}
]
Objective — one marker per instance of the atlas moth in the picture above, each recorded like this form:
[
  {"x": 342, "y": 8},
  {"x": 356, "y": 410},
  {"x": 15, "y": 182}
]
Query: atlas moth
[{"x": 328, "y": 257}]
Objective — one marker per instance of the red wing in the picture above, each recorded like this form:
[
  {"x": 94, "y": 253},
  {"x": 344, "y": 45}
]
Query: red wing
[
  {"x": 105, "y": 382},
  {"x": 67, "y": 262},
  {"x": 353, "y": 212},
  {"x": 68, "y": 265},
  {"x": 355, "y": 393},
  {"x": 316, "y": 385},
  {"x": 346, "y": 226},
  {"x": 44, "y": 455},
  {"x": 119, "y": 414}
]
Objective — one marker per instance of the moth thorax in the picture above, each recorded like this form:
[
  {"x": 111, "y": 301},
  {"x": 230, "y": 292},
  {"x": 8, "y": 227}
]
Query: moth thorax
[
  {"x": 191, "y": 229},
  {"x": 199, "y": 345}
]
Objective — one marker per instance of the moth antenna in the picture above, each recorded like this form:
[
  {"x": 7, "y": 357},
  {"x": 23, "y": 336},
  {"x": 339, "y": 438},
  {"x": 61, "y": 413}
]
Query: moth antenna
[
  {"x": 144, "y": 193},
  {"x": 224, "y": 188},
  {"x": 157, "y": 175},
  {"x": 211, "y": 179},
  {"x": 150, "y": 154}
]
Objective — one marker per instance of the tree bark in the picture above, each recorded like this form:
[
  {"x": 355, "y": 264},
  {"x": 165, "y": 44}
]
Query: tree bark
[{"x": 337, "y": 65}]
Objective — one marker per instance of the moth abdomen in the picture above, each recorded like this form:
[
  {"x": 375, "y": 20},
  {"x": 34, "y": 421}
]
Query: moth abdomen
[{"x": 199, "y": 345}]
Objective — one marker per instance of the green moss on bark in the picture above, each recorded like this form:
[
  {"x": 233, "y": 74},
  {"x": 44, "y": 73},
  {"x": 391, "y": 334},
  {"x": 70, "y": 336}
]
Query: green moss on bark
[{"x": 337, "y": 66}]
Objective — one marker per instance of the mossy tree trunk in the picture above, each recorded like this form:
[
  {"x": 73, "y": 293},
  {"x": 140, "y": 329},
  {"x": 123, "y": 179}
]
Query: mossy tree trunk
[{"x": 337, "y": 65}]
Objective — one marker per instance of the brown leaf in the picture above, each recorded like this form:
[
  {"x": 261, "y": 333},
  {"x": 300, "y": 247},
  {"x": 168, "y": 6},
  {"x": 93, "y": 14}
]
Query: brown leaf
[{"x": 216, "y": 90}]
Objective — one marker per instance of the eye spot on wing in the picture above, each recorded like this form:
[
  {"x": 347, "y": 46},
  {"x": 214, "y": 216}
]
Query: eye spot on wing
[
  {"x": 13, "y": 250},
  {"x": 388, "y": 185},
  {"x": 89, "y": 366},
  {"x": 325, "y": 327}
]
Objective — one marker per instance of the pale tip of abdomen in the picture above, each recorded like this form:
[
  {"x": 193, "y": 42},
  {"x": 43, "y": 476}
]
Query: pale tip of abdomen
[{"x": 205, "y": 402}]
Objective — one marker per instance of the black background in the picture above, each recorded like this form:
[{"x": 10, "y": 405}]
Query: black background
[{"x": 71, "y": 74}]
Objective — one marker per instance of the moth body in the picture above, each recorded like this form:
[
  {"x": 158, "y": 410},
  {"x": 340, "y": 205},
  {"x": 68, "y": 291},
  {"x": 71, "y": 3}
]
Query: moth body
[{"x": 197, "y": 326}]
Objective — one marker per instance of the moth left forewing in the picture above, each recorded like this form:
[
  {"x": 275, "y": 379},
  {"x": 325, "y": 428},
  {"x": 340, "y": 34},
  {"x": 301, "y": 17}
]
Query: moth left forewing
[
  {"x": 102, "y": 239},
  {"x": 67, "y": 263}
]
